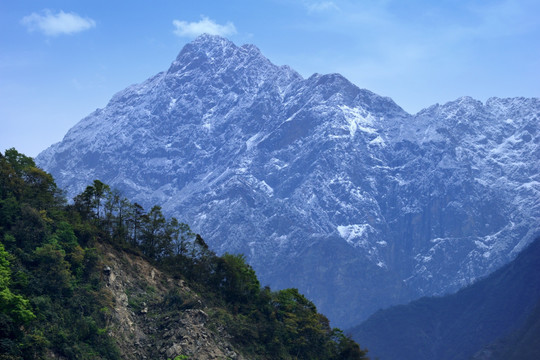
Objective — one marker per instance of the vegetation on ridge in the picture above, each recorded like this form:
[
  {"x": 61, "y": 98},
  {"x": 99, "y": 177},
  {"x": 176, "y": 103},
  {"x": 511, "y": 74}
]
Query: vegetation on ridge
[{"x": 53, "y": 301}]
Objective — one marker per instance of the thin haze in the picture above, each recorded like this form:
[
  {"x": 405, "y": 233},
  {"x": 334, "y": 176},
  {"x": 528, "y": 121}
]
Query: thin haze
[{"x": 60, "y": 60}]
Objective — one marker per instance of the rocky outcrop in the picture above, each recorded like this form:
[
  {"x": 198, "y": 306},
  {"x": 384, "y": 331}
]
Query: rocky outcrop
[{"x": 153, "y": 316}]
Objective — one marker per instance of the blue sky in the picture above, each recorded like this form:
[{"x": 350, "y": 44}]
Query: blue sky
[{"x": 60, "y": 60}]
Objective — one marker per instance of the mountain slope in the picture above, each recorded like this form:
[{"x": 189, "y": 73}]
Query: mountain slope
[
  {"x": 324, "y": 186},
  {"x": 500, "y": 309},
  {"x": 522, "y": 343},
  {"x": 143, "y": 321},
  {"x": 91, "y": 281}
]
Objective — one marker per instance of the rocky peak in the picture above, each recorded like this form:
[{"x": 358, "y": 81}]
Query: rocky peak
[
  {"x": 462, "y": 106},
  {"x": 292, "y": 172},
  {"x": 206, "y": 49},
  {"x": 211, "y": 53}
]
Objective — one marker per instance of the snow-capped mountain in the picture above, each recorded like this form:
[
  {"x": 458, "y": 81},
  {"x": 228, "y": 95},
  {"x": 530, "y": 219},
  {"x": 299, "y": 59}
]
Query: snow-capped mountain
[{"x": 324, "y": 186}]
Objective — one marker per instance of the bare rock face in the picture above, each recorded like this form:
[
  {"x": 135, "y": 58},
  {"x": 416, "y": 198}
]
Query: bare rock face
[{"x": 146, "y": 325}]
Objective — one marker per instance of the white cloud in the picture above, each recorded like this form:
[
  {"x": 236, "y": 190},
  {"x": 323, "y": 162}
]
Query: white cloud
[
  {"x": 56, "y": 24},
  {"x": 321, "y": 6},
  {"x": 204, "y": 26}
]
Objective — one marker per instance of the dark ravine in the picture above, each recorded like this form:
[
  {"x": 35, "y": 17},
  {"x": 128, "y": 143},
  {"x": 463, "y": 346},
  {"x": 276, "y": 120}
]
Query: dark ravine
[
  {"x": 494, "y": 318},
  {"x": 324, "y": 186}
]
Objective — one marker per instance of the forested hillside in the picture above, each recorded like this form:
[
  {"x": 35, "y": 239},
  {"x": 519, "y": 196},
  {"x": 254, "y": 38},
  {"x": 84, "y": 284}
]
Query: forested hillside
[{"x": 57, "y": 298}]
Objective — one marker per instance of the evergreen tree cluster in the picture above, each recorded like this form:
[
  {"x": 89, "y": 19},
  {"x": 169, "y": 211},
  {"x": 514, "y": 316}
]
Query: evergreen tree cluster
[
  {"x": 53, "y": 300},
  {"x": 128, "y": 224}
]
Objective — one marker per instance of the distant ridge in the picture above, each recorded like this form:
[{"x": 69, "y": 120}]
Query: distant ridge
[{"x": 494, "y": 318}]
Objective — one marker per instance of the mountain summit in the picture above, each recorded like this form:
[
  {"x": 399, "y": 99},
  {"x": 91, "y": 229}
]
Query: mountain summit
[{"x": 324, "y": 186}]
